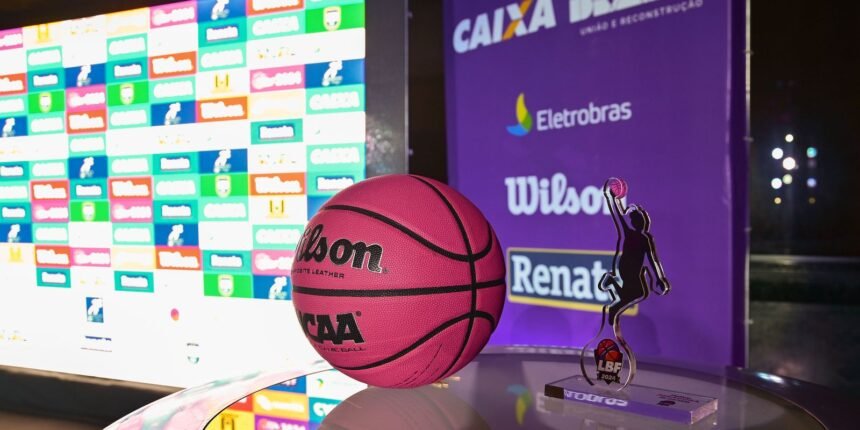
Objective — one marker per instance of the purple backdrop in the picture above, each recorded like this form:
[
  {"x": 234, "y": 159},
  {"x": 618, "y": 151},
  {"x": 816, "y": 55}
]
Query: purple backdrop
[{"x": 650, "y": 92}]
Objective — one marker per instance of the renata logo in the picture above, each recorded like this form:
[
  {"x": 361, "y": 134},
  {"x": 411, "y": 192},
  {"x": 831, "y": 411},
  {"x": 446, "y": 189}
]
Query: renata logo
[
  {"x": 217, "y": 34},
  {"x": 504, "y": 23},
  {"x": 48, "y": 79},
  {"x": 128, "y": 70},
  {"x": 325, "y": 331},
  {"x": 314, "y": 246}
]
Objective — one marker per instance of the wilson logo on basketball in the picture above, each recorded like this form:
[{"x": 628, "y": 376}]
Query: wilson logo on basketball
[
  {"x": 324, "y": 330},
  {"x": 315, "y": 246}
]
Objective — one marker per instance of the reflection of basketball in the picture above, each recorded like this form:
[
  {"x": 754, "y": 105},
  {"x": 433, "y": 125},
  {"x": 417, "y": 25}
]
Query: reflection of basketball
[
  {"x": 618, "y": 187},
  {"x": 398, "y": 281},
  {"x": 427, "y": 408}
]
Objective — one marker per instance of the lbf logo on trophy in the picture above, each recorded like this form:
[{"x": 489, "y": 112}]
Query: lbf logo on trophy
[{"x": 607, "y": 358}]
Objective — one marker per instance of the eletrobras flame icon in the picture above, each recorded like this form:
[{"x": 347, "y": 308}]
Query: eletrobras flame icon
[{"x": 524, "y": 118}]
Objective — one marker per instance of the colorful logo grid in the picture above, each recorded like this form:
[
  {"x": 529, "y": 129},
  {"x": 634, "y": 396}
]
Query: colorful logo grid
[
  {"x": 196, "y": 136},
  {"x": 301, "y": 403}
]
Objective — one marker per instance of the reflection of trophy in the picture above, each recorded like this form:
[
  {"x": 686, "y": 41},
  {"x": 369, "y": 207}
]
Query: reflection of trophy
[{"x": 636, "y": 272}]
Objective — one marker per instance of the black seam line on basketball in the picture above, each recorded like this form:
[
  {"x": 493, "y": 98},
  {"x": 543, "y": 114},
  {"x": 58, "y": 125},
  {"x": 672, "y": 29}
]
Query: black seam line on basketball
[
  {"x": 310, "y": 291},
  {"x": 442, "y": 327},
  {"x": 415, "y": 375},
  {"x": 432, "y": 246},
  {"x": 474, "y": 276}
]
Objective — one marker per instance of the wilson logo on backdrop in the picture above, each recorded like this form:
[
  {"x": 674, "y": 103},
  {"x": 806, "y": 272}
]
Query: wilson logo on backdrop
[{"x": 531, "y": 195}]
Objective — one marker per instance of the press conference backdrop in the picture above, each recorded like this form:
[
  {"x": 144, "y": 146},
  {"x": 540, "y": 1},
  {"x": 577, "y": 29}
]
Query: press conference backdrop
[
  {"x": 546, "y": 100},
  {"x": 157, "y": 167}
]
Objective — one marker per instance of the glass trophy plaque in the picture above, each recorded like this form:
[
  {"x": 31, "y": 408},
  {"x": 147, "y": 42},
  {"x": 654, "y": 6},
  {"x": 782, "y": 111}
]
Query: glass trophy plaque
[{"x": 607, "y": 364}]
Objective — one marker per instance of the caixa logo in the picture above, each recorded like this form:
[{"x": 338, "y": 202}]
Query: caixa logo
[
  {"x": 529, "y": 195},
  {"x": 512, "y": 20},
  {"x": 594, "y": 398},
  {"x": 314, "y": 246},
  {"x": 321, "y": 329},
  {"x": 560, "y": 278}
]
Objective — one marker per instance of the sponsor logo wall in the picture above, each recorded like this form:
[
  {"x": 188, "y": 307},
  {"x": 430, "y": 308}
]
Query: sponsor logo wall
[
  {"x": 301, "y": 403},
  {"x": 161, "y": 163},
  {"x": 566, "y": 93}
]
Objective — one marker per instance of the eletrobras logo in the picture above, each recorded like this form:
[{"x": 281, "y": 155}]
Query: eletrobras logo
[
  {"x": 559, "y": 278},
  {"x": 565, "y": 118}
]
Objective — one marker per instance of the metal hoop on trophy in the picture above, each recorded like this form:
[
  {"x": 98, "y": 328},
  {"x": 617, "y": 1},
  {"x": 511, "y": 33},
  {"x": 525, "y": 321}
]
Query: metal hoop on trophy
[{"x": 636, "y": 272}]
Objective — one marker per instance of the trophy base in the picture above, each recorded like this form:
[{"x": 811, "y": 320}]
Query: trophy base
[{"x": 636, "y": 399}]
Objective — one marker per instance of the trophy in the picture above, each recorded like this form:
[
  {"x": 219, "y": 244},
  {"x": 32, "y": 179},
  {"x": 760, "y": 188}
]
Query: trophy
[{"x": 636, "y": 272}]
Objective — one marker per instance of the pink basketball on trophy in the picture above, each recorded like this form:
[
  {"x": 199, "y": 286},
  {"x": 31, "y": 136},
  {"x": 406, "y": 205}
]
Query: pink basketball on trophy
[{"x": 618, "y": 187}]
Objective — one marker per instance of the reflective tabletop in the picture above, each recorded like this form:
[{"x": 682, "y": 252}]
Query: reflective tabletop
[{"x": 501, "y": 389}]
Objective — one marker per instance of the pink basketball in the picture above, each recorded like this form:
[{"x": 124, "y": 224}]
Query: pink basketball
[
  {"x": 398, "y": 281},
  {"x": 618, "y": 187}
]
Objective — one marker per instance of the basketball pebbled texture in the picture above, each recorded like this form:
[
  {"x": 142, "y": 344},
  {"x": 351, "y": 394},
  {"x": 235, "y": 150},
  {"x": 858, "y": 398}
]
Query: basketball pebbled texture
[{"x": 398, "y": 281}]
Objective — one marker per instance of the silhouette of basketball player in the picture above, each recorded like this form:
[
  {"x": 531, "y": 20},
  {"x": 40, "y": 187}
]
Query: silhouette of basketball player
[
  {"x": 636, "y": 271},
  {"x": 635, "y": 264}
]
